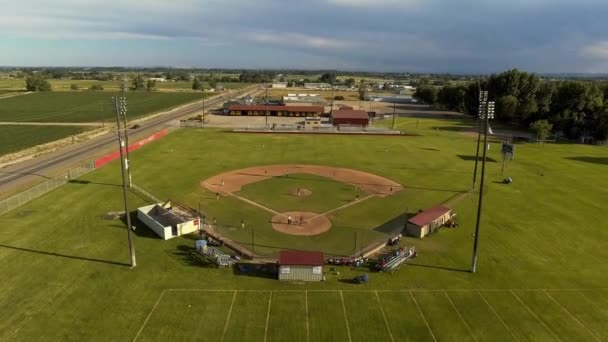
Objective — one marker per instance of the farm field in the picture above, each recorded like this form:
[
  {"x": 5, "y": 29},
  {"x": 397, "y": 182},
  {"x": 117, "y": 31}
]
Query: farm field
[
  {"x": 64, "y": 85},
  {"x": 15, "y": 138},
  {"x": 541, "y": 273},
  {"x": 86, "y": 106}
]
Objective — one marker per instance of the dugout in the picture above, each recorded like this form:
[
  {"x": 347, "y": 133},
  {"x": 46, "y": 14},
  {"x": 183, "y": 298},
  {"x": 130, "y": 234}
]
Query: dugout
[
  {"x": 428, "y": 221},
  {"x": 301, "y": 265}
]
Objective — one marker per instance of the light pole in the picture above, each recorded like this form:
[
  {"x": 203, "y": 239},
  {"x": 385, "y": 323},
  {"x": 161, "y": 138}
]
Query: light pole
[
  {"x": 123, "y": 112},
  {"x": 266, "y": 103},
  {"x": 394, "y": 108},
  {"x": 486, "y": 115},
  {"x": 483, "y": 98},
  {"x": 119, "y": 106},
  {"x": 203, "y": 90}
]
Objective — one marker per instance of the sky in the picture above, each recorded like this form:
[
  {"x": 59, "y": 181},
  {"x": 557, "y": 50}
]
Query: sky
[{"x": 455, "y": 36}]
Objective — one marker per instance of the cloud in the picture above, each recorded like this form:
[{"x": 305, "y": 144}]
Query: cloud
[
  {"x": 295, "y": 39},
  {"x": 377, "y": 3},
  {"x": 597, "y": 50}
]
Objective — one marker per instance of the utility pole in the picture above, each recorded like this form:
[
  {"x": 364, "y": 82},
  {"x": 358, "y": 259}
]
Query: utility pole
[
  {"x": 394, "y": 108},
  {"x": 331, "y": 111},
  {"x": 488, "y": 112},
  {"x": 101, "y": 114},
  {"x": 123, "y": 108},
  {"x": 203, "y": 108},
  {"x": 119, "y": 106},
  {"x": 252, "y": 242},
  {"x": 266, "y": 103}
]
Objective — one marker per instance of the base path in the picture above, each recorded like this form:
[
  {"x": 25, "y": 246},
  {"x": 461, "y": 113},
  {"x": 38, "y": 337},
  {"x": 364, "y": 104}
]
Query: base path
[
  {"x": 233, "y": 181},
  {"x": 302, "y": 223}
]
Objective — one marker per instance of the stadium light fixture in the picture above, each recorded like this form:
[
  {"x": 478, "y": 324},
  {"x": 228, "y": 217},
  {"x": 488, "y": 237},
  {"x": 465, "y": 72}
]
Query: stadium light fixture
[{"x": 123, "y": 165}]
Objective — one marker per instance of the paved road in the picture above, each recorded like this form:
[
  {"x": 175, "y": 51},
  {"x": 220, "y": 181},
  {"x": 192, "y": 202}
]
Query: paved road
[
  {"x": 21, "y": 123},
  {"x": 22, "y": 173}
]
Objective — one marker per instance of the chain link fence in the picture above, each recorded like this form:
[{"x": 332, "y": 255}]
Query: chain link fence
[{"x": 41, "y": 189}]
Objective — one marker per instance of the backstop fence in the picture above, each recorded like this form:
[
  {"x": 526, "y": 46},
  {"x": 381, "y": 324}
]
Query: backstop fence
[{"x": 41, "y": 189}]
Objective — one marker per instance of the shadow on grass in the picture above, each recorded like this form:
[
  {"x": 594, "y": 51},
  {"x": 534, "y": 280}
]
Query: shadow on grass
[
  {"x": 393, "y": 226},
  {"x": 472, "y": 158},
  {"x": 593, "y": 160},
  {"x": 86, "y": 182},
  {"x": 64, "y": 255},
  {"x": 440, "y": 267},
  {"x": 266, "y": 271}
]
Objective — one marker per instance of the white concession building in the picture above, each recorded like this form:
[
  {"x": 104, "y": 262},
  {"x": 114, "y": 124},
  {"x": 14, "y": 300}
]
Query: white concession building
[{"x": 169, "y": 220}]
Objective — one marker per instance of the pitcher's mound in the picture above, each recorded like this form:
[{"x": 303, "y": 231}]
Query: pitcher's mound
[
  {"x": 302, "y": 223},
  {"x": 302, "y": 192}
]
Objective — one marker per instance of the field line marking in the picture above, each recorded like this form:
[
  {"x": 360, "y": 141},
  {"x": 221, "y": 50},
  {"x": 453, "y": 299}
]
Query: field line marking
[
  {"x": 422, "y": 315},
  {"x": 162, "y": 294},
  {"x": 380, "y": 290},
  {"x": 307, "y": 325},
  {"x": 498, "y": 316},
  {"x": 535, "y": 315},
  {"x": 255, "y": 204},
  {"x": 268, "y": 316},
  {"x": 345, "y": 316},
  {"x": 460, "y": 315},
  {"x": 384, "y": 316},
  {"x": 345, "y": 206},
  {"x": 228, "y": 318},
  {"x": 571, "y": 315}
]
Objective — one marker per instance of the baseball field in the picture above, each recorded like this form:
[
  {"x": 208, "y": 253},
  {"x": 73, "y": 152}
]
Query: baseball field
[{"x": 541, "y": 274}]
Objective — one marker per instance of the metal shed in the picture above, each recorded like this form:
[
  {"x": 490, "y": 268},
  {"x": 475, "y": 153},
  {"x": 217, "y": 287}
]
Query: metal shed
[
  {"x": 428, "y": 221},
  {"x": 301, "y": 265}
]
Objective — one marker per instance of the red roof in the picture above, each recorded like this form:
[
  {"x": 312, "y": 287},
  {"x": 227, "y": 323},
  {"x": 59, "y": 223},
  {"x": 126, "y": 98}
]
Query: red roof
[
  {"x": 429, "y": 215},
  {"x": 350, "y": 114},
  {"x": 310, "y": 109},
  {"x": 301, "y": 258}
]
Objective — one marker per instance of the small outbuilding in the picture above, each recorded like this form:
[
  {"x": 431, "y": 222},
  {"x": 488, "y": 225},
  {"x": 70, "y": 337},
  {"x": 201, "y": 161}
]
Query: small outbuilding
[
  {"x": 301, "y": 265},
  {"x": 169, "y": 219},
  {"x": 350, "y": 117},
  {"x": 428, "y": 221}
]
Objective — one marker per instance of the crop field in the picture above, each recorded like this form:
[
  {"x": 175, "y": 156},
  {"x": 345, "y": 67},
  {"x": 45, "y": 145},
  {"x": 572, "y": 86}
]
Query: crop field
[
  {"x": 85, "y": 106},
  {"x": 541, "y": 274},
  {"x": 15, "y": 138},
  {"x": 65, "y": 85}
]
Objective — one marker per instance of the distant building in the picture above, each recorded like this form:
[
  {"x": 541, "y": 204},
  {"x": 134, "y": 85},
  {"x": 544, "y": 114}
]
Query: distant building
[
  {"x": 279, "y": 85},
  {"x": 317, "y": 85},
  {"x": 301, "y": 265},
  {"x": 158, "y": 79},
  {"x": 275, "y": 110},
  {"x": 303, "y": 99},
  {"x": 311, "y": 123},
  {"x": 428, "y": 221},
  {"x": 350, "y": 117}
]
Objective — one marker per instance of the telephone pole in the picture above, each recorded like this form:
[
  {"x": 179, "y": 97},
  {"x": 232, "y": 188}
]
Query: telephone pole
[
  {"x": 486, "y": 113},
  {"x": 119, "y": 107}
]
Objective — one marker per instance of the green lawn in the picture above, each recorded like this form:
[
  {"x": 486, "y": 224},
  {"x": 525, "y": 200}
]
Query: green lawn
[
  {"x": 541, "y": 276},
  {"x": 280, "y": 193},
  {"x": 15, "y": 138},
  {"x": 86, "y": 106}
]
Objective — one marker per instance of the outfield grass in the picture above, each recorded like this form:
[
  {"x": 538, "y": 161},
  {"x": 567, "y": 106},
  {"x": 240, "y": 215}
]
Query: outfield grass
[
  {"x": 16, "y": 138},
  {"x": 85, "y": 106},
  {"x": 65, "y": 276}
]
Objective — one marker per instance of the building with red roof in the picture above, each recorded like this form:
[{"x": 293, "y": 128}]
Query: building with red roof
[
  {"x": 351, "y": 117},
  {"x": 275, "y": 110},
  {"x": 301, "y": 265},
  {"x": 428, "y": 221}
]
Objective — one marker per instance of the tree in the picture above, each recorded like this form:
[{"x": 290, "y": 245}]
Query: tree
[
  {"x": 197, "y": 84},
  {"x": 542, "y": 128},
  {"x": 37, "y": 83},
  {"x": 138, "y": 83},
  {"x": 544, "y": 93},
  {"x": 506, "y": 107},
  {"x": 212, "y": 84},
  {"x": 362, "y": 93},
  {"x": 452, "y": 98},
  {"x": 350, "y": 82},
  {"x": 290, "y": 84},
  {"x": 74, "y": 86},
  {"x": 96, "y": 87},
  {"x": 426, "y": 94},
  {"x": 328, "y": 77},
  {"x": 339, "y": 98},
  {"x": 150, "y": 85}
]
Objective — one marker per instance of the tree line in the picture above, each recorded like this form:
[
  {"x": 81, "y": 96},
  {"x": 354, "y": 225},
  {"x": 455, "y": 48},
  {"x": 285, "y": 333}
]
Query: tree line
[{"x": 575, "y": 108}]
